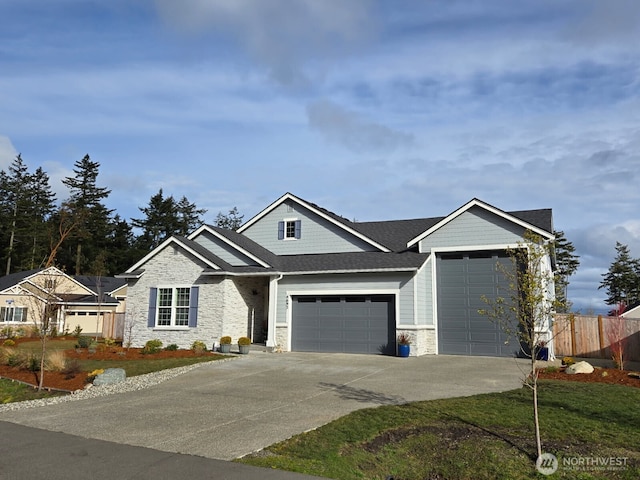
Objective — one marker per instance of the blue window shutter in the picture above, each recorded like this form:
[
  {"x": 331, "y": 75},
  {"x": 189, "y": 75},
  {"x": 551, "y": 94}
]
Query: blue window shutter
[
  {"x": 280, "y": 230},
  {"x": 153, "y": 296},
  {"x": 298, "y": 228},
  {"x": 193, "y": 307}
]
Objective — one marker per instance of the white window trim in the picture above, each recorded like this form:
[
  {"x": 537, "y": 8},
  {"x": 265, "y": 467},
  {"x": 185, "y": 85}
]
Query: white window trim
[
  {"x": 172, "y": 325},
  {"x": 13, "y": 309},
  {"x": 286, "y": 222}
]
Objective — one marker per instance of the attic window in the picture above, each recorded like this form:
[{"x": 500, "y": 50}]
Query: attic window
[{"x": 289, "y": 229}]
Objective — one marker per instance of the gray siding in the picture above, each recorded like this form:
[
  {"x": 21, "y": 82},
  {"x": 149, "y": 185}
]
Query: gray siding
[
  {"x": 224, "y": 251},
  {"x": 424, "y": 300},
  {"x": 373, "y": 284},
  {"x": 318, "y": 234},
  {"x": 475, "y": 227}
]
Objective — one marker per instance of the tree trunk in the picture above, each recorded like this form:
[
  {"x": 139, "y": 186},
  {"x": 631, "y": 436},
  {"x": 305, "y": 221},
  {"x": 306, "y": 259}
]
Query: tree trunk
[
  {"x": 43, "y": 340},
  {"x": 536, "y": 417},
  {"x": 78, "y": 257}
]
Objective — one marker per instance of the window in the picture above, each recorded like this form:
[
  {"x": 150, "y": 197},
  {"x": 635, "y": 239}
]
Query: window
[
  {"x": 13, "y": 314},
  {"x": 289, "y": 229},
  {"x": 173, "y": 307}
]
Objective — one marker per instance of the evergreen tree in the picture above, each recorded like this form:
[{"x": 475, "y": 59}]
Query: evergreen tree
[
  {"x": 42, "y": 208},
  {"x": 622, "y": 281},
  {"x": 92, "y": 218},
  {"x": 159, "y": 223},
  {"x": 25, "y": 205},
  {"x": 566, "y": 265},
  {"x": 121, "y": 254},
  {"x": 231, "y": 221},
  {"x": 164, "y": 218},
  {"x": 189, "y": 216}
]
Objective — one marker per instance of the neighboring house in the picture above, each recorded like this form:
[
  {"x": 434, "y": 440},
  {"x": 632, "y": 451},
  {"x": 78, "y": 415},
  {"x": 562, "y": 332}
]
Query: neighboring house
[
  {"x": 302, "y": 278},
  {"x": 81, "y": 300},
  {"x": 633, "y": 311}
]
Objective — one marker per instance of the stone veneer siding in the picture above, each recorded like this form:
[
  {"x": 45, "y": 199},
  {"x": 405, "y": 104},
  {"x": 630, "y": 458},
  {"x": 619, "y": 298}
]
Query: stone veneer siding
[
  {"x": 225, "y": 305},
  {"x": 423, "y": 341}
]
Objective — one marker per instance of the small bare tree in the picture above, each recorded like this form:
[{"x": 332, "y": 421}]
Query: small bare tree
[
  {"x": 617, "y": 336},
  {"x": 526, "y": 312},
  {"x": 131, "y": 318}
]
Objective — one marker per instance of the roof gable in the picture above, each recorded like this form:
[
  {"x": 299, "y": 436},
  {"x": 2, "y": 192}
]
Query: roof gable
[
  {"x": 511, "y": 217},
  {"x": 239, "y": 243},
  {"x": 190, "y": 246},
  {"x": 341, "y": 223}
]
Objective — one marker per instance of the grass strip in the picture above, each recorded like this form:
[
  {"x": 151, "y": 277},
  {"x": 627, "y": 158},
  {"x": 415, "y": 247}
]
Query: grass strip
[{"x": 480, "y": 437}]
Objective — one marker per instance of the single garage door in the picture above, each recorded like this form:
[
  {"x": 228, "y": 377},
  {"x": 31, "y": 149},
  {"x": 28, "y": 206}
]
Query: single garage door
[
  {"x": 462, "y": 281},
  {"x": 347, "y": 324}
]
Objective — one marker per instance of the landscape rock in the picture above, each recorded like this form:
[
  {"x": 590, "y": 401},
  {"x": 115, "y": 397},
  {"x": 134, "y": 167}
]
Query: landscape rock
[
  {"x": 579, "y": 367},
  {"x": 110, "y": 376}
]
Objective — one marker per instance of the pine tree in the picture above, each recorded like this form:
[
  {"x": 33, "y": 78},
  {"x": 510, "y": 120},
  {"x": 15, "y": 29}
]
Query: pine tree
[
  {"x": 566, "y": 265},
  {"x": 622, "y": 281},
  {"x": 92, "y": 218},
  {"x": 164, "y": 218},
  {"x": 232, "y": 220},
  {"x": 42, "y": 207},
  {"x": 189, "y": 216}
]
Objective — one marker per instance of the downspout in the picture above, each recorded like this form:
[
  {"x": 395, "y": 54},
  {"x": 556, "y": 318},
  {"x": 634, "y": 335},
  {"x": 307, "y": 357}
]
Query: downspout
[{"x": 273, "y": 310}]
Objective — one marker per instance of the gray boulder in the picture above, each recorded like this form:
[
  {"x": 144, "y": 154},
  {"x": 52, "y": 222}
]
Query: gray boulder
[
  {"x": 579, "y": 367},
  {"x": 110, "y": 376}
]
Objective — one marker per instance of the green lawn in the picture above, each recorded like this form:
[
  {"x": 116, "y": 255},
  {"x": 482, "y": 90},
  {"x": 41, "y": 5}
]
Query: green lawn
[
  {"x": 18, "y": 392},
  {"x": 145, "y": 365},
  {"x": 480, "y": 437}
]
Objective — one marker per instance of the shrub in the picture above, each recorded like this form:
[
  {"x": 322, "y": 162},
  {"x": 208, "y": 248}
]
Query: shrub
[
  {"x": 12, "y": 358},
  {"x": 552, "y": 369},
  {"x": 152, "y": 346},
  {"x": 109, "y": 342},
  {"x": 91, "y": 376},
  {"x": 8, "y": 332},
  {"x": 226, "y": 340},
  {"x": 199, "y": 346},
  {"x": 55, "y": 361},
  {"x": 77, "y": 331},
  {"x": 72, "y": 368},
  {"x": 84, "y": 342},
  {"x": 568, "y": 361},
  {"x": 404, "y": 339},
  {"x": 8, "y": 343},
  {"x": 5, "y": 354},
  {"x": 172, "y": 347},
  {"x": 31, "y": 362},
  {"x": 244, "y": 341}
]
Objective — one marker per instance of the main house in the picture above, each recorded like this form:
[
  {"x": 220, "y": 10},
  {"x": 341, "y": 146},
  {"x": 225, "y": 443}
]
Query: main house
[{"x": 301, "y": 278}]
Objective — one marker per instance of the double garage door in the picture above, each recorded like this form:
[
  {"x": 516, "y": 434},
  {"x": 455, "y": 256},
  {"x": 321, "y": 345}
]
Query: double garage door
[
  {"x": 347, "y": 324},
  {"x": 462, "y": 281}
]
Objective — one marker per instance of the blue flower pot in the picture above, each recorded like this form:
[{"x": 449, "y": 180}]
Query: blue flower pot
[
  {"x": 403, "y": 350},
  {"x": 542, "y": 353}
]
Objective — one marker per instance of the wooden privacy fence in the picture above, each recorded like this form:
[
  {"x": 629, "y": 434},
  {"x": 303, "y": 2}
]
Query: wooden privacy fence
[
  {"x": 588, "y": 336},
  {"x": 113, "y": 325}
]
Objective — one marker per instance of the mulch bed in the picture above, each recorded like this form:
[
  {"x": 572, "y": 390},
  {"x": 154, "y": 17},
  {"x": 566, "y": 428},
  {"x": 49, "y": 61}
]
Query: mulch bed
[
  {"x": 599, "y": 375},
  {"x": 77, "y": 381}
]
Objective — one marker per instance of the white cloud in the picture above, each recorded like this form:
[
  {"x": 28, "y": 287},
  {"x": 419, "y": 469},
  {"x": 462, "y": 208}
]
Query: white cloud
[{"x": 7, "y": 152}]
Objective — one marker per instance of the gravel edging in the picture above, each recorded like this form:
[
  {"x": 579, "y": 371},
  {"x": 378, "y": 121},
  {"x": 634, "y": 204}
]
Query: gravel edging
[{"x": 131, "y": 384}]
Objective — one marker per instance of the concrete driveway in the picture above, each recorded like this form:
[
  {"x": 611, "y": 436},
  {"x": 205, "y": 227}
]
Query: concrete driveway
[{"x": 225, "y": 410}]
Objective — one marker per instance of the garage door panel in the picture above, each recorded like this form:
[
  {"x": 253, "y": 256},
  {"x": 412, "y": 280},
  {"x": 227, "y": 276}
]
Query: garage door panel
[
  {"x": 461, "y": 284},
  {"x": 350, "y": 324}
]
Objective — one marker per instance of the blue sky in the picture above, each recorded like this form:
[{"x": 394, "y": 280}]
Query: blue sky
[{"x": 373, "y": 109}]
